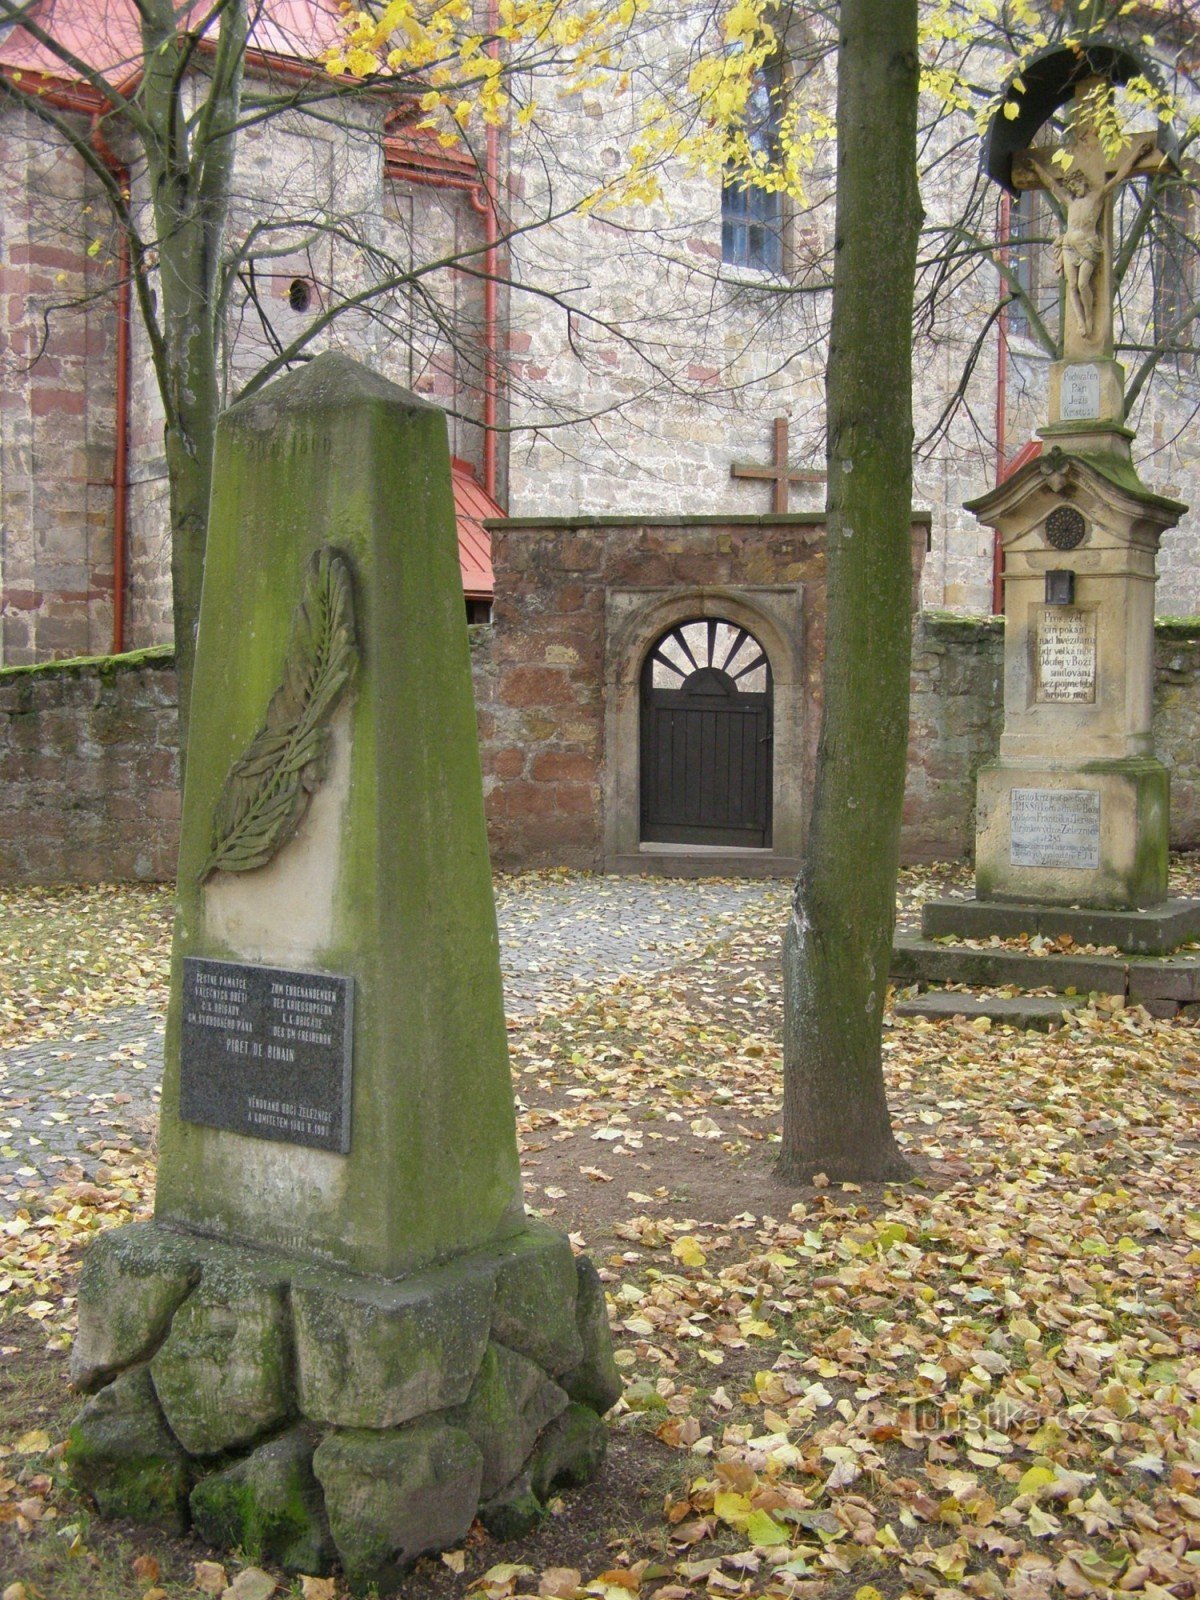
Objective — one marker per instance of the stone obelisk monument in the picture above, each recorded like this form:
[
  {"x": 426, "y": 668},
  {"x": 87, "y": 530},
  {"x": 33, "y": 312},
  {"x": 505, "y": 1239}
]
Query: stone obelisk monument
[
  {"x": 1076, "y": 810},
  {"x": 340, "y": 1338}
]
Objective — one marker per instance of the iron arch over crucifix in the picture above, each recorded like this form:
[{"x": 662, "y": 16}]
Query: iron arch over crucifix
[{"x": 706, "y": 737}]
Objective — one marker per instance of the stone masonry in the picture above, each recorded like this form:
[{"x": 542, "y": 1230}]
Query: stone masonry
[{"x": 88, "y": 769}]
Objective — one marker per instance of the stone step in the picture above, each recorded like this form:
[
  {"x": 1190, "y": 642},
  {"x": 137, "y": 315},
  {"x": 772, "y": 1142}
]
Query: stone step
[
  {"x": 1154, "y": 932},
  {"x": 924, "y": 961},
  {"x": 1165, "y": 985},
  {"x": 1020, "y": 1011}
]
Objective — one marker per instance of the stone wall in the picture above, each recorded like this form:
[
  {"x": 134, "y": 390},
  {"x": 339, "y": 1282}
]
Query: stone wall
[
  {"x": 956, "y": 717},
  {"x": 88, "y": 771}
]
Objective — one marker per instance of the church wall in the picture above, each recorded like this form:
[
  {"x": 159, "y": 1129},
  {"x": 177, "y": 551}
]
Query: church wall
[
  {"x": 57, "y": 419},
  {"x": 675, "y": 363},
  {"x": 57, "y": 338}
]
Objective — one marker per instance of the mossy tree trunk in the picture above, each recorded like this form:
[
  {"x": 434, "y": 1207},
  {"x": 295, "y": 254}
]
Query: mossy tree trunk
[{"x": 838, "y": 943}]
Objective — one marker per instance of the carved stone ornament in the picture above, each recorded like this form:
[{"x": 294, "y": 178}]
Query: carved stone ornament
[
  {"x": 268, "y": 788},
  {"x": 1065, "y": 528}
]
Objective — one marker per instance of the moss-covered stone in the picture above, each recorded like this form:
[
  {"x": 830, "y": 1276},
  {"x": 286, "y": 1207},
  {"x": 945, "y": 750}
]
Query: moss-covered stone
[
  {"x": 510, "y": 1403},
  {"x": 594, "y": 1381},
  {"x": 121, "y": 1452},
  {"x": 133, "y": 1280},
  {"x": 1177, "y": 629},
  {"x": 513, "y": 1512},
  {"x": 394, "y": 1494},
  {"x": 375, "y": 1355},
  {"x": 101, "y": 666},
  {"x": 223, "y": 1374},
  {"x": 534, "y": 1310},
  {"x": 388, "y": 881},
  {"x": 269, "y": 1506},
  {"x": 569, "y": 1453}
]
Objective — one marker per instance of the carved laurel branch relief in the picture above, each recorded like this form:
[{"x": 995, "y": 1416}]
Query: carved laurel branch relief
[{"x": 269, "y": 787}]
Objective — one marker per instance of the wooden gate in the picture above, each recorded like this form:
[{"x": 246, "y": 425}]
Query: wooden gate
[{"x": 706, "y": 737}]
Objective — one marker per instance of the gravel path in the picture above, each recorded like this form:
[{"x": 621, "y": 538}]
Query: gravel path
[{"x": 65, "y": 1100}]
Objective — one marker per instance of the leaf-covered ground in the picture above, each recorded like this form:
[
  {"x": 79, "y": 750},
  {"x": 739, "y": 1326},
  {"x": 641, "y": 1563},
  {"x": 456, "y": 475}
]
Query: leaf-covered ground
[{"x": 985, "y": 1382}]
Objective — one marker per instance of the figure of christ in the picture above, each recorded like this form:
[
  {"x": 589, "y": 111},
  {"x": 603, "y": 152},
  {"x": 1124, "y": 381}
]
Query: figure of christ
[{"x": 1079, "y": 249}]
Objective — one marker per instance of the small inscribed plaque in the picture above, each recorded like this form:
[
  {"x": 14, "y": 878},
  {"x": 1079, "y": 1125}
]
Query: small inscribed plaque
[
  {"x": 1066, "y": 655},
  {"x": 1080, "y": 393},
  {"x": 1055, "y": 828},
  {"x": 266, "y": 1052}
]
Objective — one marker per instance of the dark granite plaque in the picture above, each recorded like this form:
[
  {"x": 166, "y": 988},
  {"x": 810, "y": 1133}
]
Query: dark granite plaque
[{"x": 266, "y": 1052}]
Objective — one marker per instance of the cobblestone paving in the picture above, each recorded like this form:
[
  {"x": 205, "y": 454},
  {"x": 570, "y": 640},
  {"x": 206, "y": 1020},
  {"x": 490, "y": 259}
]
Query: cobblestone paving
[{"x": 65, "y": 1101}]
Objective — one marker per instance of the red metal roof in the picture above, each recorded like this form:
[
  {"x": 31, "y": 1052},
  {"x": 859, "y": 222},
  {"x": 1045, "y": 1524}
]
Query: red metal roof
[
  {"x": 471, "y": 504},
  {"x": 106, "y": 35}
]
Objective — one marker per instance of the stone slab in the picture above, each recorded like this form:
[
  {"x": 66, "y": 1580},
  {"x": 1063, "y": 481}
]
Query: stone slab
[
  {"x": 1139, "y": 979},
  {"x": 536, "y": 1287},
  {"x": 595, "y": 1381},
  {"x": 1153, "y": 932},
  {"x": 1176, "y": 978},
  {"x": 268, "y": 1506},
  {"x": 1092, "y": 834},
  {"x": 704, "y": 863},
  {"x": 569, "y": 1453},
  {"x": 920, "y": 961},
  {"x": 510, "y": 1403},
  {"x": 1033, "y": 1012},
  {"x": 121, "y": 1452},
  {"x": 222, "y": 1375}
]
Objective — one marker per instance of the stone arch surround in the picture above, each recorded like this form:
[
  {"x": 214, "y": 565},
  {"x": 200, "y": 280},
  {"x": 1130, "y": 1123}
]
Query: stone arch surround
[{"x": 636, "y": 620}]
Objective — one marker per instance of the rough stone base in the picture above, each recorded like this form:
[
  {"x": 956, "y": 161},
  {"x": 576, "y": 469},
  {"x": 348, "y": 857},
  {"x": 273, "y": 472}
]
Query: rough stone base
[{"x": 308, "y": 1415}]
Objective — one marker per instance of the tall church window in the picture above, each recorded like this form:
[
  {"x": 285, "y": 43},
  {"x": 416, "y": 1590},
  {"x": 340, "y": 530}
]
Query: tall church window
[{"x": 752, "y": 218}]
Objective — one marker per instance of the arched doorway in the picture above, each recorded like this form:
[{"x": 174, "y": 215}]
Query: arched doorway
[{"x": 706, "y": 737}]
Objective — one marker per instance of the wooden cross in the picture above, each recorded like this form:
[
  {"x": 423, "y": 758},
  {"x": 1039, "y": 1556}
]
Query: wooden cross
[
  {"x": 778, "y": 473},
  {"x": 1085, "y": 186}
]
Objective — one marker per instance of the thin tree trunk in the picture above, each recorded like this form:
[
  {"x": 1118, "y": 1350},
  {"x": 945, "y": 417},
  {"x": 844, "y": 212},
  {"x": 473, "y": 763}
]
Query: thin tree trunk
[
  {"x": 189, "y": 165},
  {"x": 838, "y": 944}
]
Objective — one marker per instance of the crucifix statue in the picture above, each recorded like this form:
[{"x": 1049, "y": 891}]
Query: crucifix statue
[{"x": 1084, "y": 178}]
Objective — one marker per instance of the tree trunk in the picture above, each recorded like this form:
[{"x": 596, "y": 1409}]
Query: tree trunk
[
  {"x": 189, "y": 165},
  {"x": 838, "y": 944}
]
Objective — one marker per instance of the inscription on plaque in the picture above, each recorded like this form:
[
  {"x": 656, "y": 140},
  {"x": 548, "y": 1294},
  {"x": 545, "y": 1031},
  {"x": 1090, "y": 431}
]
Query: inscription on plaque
[
  {"x": 1055, "y": 828},
  {"x": 1066, "y": 655},
  {"x": 266, "y": 1052},
  {"x": 1080, "y": 393}
]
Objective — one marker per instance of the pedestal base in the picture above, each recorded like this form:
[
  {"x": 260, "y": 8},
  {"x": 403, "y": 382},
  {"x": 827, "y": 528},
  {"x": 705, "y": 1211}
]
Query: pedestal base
[
  {"x": 303, "y": 1413},
  {"x": 1091, "y": 835}
]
